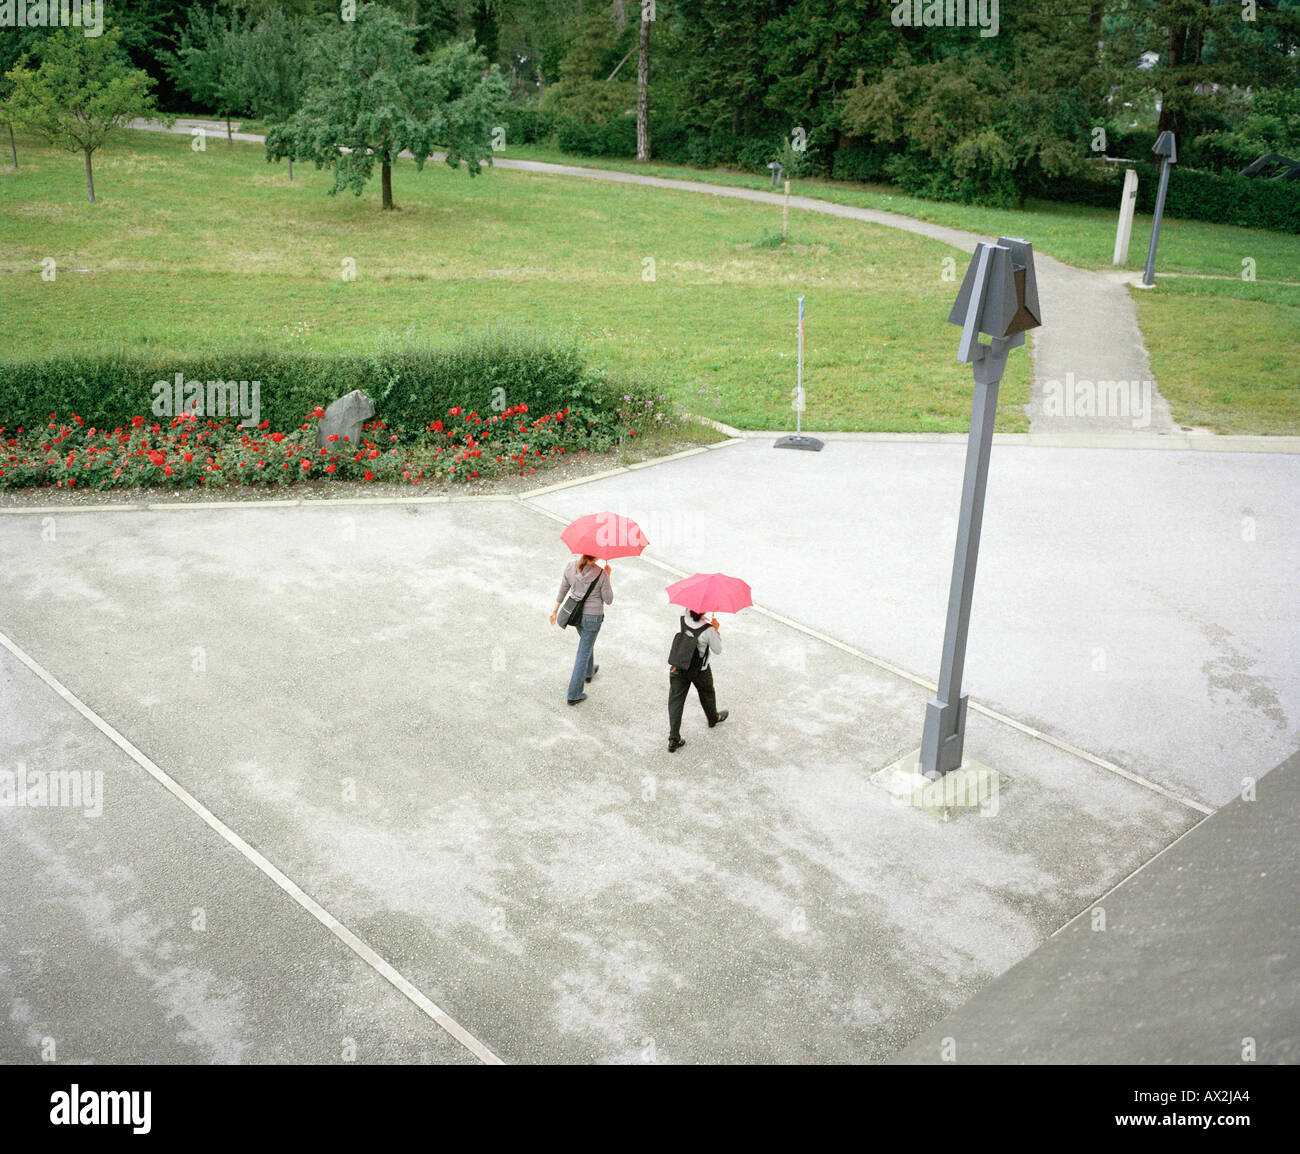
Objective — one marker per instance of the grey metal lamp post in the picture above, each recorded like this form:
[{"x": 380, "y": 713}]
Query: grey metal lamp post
[
  {"x": 1167, "y": 150},
  {"x": 999, "y": 299}
]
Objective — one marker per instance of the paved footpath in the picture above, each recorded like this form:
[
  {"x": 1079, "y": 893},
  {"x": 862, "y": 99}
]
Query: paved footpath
[{"x": 1091, "y": 332}]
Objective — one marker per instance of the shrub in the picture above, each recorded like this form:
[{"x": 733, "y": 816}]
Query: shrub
[
  {"x": 1228, "y": 199},
  {"x": 616, "y": 137},
  {"x": 962, "y": 179},
  {"x": 108, "y": 389},
  {"x": 1219, "y": 198},
  {"x": 859, "y": 161},
  {"x": 527, "y": 124}
]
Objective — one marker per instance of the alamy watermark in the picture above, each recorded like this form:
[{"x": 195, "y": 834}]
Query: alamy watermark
[
  {"x": 964, "y": 788},
  {"x": 77, "y": 1107},
  {"x": 981, "y": 14},
  {"x": 63, "y": 788},
  {"x": 88, "y": 15},
  {"x": 218, "y": 399},
  {"x": 1080, "y": 398}
]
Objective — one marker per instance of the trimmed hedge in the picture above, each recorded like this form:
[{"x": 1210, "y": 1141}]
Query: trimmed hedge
[
  {"x": 1218, "y": 198},
  {"x": 409, "y": 387},
  {"x": 1229, "y": 199},
  {"x": 858, "y": 161},
  {"x": 527, "y": 124},
  {"x": 616, "y": 138}
]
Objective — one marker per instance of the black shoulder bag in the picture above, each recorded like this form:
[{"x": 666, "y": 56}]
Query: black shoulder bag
[{"x": 571, "y": 611}]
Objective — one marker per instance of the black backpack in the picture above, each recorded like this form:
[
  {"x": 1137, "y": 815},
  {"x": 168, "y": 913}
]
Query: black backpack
[{"x": 686, "y": 645}]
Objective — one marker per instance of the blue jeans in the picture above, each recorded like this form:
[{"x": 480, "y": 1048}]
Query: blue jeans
[{"x": 585, "y": 663}]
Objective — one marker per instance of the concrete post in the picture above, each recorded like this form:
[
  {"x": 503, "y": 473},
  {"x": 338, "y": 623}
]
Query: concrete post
[{"x": 1127, "y": 205}]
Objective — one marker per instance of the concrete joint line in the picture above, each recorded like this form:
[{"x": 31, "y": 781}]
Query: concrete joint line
[
  {"x": 322, "y": 915},
  {"x": 1098, "y": 900}
]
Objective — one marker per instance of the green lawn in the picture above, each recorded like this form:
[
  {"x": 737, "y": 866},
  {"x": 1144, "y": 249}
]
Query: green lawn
[
  {"x": 190, "y": 250},
  {"x": 1226, "y": 354},
  {"x": 1075, "y": 234}
]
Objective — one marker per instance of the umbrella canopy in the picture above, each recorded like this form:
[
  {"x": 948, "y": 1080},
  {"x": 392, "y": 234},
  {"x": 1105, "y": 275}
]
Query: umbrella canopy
[
  {"x": 605, "y": 535},
  {"x": 711, "y": 592}
]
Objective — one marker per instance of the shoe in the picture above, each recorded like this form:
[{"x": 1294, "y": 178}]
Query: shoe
[
  {"x": 674, "y": 746},
  {"x": 594, "y": 670},
  {"x": 575, "y": 700},
  {"x": 721, "y": 718}
]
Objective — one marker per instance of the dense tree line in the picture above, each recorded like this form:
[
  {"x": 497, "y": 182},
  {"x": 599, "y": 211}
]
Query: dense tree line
[{"x": 987, "y": 112}]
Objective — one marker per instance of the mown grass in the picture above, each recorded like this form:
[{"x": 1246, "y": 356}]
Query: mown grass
[
  {"x": 1075, "y": 234},
  {"x": 191, "y": 251},
  {"x": 198, "y": 250},
  {"x": 1226, "y": 353}
]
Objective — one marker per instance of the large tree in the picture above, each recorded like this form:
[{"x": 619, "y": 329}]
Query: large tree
[
  {"x": 643, "y": 83},
  {"x": 982, "y": 120},
  {"x": 382, "y": 98},
  {"x": 83, "y": 91},
  {"x": 1201, "y": 47}
]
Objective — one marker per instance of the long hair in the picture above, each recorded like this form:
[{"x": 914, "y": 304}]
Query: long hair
[{"x": 585, "y": 560}]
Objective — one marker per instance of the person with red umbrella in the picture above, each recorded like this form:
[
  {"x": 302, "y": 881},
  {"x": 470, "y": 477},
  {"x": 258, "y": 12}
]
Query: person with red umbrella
[
  {"x": 585, "y": 587},
  {"x": 696, "y": 641}
]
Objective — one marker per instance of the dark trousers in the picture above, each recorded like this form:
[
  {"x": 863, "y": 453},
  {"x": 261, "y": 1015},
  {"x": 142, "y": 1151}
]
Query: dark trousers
[{"x": 679, "y": 685}]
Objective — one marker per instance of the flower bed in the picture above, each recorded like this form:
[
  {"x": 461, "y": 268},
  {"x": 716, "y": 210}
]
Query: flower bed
[{"x": 187, "y": 452}]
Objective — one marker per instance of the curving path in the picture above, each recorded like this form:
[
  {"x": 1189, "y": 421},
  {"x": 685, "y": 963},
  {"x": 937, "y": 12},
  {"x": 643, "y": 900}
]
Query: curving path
[{"x": 1090, "y": 335}]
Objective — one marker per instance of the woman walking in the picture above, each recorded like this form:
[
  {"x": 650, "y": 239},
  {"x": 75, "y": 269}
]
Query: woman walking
[{"x": 589, "y": 581}]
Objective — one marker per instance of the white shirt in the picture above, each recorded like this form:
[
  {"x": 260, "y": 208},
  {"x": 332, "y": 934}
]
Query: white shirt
[{"x": 708, "y": 639}]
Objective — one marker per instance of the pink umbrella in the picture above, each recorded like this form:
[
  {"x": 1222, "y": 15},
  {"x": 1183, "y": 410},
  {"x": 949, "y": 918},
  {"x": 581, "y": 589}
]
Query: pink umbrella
[
  {"x": 605, "y": 535},
  {"x": 711, "y": 592}
]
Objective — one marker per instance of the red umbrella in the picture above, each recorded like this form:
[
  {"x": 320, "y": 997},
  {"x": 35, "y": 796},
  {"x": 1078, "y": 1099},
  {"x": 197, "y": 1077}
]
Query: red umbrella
[
  {"x": 711, "y": 592},
  {"x": 605, "y": 535}
]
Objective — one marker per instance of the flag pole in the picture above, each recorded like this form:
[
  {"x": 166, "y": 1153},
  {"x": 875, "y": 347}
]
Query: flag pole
[
  {"x": 798, "y": 413},
  {"x": 798, "y": 440}
]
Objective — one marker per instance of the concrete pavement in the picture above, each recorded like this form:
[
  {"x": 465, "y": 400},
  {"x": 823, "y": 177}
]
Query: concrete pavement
[
  {"x": 137, "y": 936},
  {"x": 1190, "y": 960},
  {"x": 371, "y": 698},
  {"x": 1141, "y": 605}
]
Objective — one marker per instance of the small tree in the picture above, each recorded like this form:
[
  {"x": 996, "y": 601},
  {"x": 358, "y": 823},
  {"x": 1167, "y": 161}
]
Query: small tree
[
  {"x": 210, "y": 64},
  {"x": 274, "y": 62},
  {"x": 81, "y": 93},
  {"x": 15, "y": 44},
  {"x": 382, "y": 98},
  {"x": 6, "y": 117}
]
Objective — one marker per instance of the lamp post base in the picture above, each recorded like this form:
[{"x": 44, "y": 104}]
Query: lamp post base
[
  {"x": 797, "y": 441},
  {"x": 943, "y": 738},
  {"x": 971, "y": 787}
]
